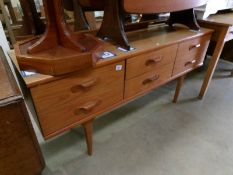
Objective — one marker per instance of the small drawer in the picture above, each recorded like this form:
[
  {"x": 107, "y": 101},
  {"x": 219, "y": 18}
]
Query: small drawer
[
  {"x": 191, "y": 54},
  {"x": 150, "y": 61},
  {"x": 63, "y": 103},
  {"x": 148, "y": 81}
]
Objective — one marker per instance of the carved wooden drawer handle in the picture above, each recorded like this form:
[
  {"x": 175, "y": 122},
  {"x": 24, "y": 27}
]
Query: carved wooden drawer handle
[
  {"x": 190, "y": 63},
  {"x": 150, "y": 80},
  {"x": 153, "y": 61},
  {"x": 194, "y": 46},
  {"x": 84, "y": 85},
  {"x": 87, "y": 107}
]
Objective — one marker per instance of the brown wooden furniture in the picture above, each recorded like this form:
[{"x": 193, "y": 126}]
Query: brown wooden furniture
[
  {"x": 5, "y": 20},
  {"x": 222, "y": 24},
  {"x": 146, "y": 6},
  {"x": 152, "y": 6},
  {"x": 86, "y": 20},
  {"x": 32, "y": 23},
  {"x": 19, "y": 149},
  {"x": 29, "y": 26},
  {"x": 113, "y": 27},
  {"x": 161, "y": 55},
  {"x": 82, "y": 20},
  {"x": 59, "y": 50},
  {"x": 10, "y": 10}
]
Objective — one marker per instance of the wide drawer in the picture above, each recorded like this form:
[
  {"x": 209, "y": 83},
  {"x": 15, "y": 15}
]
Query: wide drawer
[
  {"x": 148, "y": 81},
  {"x": 63, "y": 103},
  {"x": 191, "y": 54},
  {"x": 150, "y": 61}
]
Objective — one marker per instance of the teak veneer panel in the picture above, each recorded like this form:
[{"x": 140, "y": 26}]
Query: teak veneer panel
[
  {"x": 191, "y": 54},
  {"x": 145, "y": 6},
  {"x": 148, "y": 81},
  {"x": 67, "y": 101},
  {"x": 19, "y": 149},
  {"x": 150, "y": 61},
  {"x": 159, "y": 6}
]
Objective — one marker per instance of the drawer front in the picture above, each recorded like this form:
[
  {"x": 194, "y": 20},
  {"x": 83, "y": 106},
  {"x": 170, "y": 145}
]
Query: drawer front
[
  {"x": 150, "y": 61},
  {"x": 148, "y": 81},
  {"x": 65, "y": 102},
  {"x": 191, "y": 54}
]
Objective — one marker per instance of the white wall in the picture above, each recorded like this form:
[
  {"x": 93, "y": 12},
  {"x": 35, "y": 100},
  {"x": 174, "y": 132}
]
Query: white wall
[{"x": 3, "y": 41}]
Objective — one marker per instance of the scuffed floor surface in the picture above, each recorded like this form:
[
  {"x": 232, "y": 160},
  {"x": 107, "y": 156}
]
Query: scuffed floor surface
[{"x": 152, "y": 136}]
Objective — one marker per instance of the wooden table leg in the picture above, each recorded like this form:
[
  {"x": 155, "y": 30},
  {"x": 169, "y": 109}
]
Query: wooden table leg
[
  {"x": 214, "y": 61},
  {"x": 7, "y": 21},
  {"x": 115, "y": 31},
  {"x": 232, "y": 73},
  {"x": 57, "y": 31},
  {"x": 179, "y": 85},
  {"x": 88, "y": 129},
  {"x": 80, "y": 20},
  {"x": 32, "y": 24}
]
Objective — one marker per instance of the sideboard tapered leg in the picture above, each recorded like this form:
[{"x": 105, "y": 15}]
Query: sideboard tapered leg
[
  {"x": 179, "y": 85},
  {"x": 88, "y": 129}
]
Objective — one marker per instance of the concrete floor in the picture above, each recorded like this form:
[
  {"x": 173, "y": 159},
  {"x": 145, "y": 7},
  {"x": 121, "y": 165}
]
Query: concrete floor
[{"x": 154, "y": 136}]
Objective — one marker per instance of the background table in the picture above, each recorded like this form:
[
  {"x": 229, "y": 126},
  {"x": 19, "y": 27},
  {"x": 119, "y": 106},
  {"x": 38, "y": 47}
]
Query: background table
[{"x": 223, "y": 27}]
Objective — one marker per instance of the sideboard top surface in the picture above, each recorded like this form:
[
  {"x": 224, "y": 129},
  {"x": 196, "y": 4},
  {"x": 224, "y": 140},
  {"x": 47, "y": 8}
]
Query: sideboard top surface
[{"x": 145, "y": 40}]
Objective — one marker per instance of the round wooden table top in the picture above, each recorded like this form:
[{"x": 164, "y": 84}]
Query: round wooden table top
[{"x": 147, "y": 6}]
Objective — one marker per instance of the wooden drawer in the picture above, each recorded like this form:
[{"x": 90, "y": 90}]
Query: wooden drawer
[
  {"x": 191, "y": 54},
  {"x": 63, "y": 103},
  {"x": 150, "y": 61},
  {"x": 148, "y": 81}
]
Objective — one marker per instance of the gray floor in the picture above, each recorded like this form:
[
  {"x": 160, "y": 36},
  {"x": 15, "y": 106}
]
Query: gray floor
[{"x": 153, "y": 136}]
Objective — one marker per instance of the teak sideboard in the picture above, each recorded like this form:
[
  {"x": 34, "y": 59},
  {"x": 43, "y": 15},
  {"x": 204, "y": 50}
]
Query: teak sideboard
[{"x": 160, "y": 56}]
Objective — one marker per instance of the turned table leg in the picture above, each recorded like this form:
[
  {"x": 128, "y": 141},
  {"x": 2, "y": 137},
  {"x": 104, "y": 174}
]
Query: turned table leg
[
  {"x": 179, "y": 85},
  {"x": 88, "y": 129}
]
